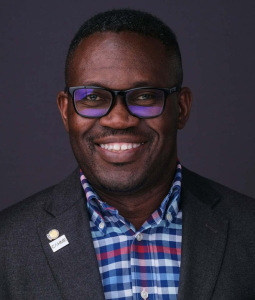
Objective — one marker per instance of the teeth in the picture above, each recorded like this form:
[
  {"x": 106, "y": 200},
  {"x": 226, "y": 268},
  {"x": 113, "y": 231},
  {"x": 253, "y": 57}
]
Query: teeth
[
  {"x": 120, "y": 147},
  {"x": 116, "y": 147},
  {"x": 124, "y": 147}
]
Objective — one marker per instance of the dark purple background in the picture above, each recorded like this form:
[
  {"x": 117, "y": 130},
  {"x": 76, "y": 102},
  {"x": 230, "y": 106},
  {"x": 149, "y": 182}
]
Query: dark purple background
[{"x": 217, "y": 43}]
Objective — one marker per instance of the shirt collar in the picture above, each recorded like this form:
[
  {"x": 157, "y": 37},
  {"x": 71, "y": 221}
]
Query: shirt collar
[{"x": 100, "y": 210}]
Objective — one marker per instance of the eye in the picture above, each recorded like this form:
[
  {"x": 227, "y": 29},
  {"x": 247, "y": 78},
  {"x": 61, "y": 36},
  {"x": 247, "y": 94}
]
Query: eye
[
  {"x": 145, "y": 96},
  {"x": 92, "y": 97}
]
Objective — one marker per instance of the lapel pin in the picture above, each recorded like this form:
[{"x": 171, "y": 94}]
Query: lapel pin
[
  {"x": 58, "y": 242},
  {"x": 53, "y": 234}
]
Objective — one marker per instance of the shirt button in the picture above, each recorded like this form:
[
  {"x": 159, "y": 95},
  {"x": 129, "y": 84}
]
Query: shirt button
[
  {"x": 139, "y": 237},
  {"x": 144, "y": 294},
  {"x": 101, "y": 225},
  {"x": 169, "y": 217}
]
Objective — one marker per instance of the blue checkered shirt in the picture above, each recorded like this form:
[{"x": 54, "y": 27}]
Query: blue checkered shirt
[{"x": 138, "y": 264}]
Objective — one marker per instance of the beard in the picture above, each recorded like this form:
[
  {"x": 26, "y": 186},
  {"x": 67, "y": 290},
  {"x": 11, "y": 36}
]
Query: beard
[{"x": 123, "y": 178}]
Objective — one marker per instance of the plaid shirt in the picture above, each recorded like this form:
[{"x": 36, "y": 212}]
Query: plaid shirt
[{"x": 143, "y": 264}]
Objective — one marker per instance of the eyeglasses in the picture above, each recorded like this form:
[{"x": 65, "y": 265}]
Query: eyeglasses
[{"x": 142, "y": 102}]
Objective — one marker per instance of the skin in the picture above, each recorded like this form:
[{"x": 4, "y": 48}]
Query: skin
[{"x": 134, "y": 181}]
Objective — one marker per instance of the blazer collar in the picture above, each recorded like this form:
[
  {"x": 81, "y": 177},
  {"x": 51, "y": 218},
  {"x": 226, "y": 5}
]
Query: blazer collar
[
  {"x": 65, "y": 194},
  {"x": 74, "y": 266},
  {"x": 204, "y": 237}
]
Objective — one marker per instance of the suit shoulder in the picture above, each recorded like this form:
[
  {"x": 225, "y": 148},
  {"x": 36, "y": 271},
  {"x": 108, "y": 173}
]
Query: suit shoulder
[
  {"x": 36, "y": 201},
  {"x": 232, "y": 200},
  {"x": 31, "y": 210},
  {"x": 27, "y": 210}
]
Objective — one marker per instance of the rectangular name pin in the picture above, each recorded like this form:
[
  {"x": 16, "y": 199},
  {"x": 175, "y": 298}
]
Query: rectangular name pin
[{"x": 59, "y": 243}]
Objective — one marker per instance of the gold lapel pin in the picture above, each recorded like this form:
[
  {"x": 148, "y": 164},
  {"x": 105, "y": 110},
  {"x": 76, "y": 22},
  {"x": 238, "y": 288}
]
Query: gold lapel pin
[{"x": 53, "y": 234}]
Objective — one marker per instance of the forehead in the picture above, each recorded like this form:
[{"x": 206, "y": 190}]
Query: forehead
[{"x": 126, "y": 56}]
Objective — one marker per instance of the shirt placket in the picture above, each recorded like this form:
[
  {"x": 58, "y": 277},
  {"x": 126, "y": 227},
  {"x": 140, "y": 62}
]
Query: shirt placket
[{"x": 142, "y": 276}]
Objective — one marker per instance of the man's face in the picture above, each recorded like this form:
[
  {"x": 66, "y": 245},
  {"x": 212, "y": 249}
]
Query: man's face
[{"x": 122, "y": 61}]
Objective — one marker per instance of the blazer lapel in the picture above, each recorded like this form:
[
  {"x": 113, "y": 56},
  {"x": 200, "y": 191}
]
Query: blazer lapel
[
  {"x": 204, "y": 240},
  {"x": 74, "y": 266}
]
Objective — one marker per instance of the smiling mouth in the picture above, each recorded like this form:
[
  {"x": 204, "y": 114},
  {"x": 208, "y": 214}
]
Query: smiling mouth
[{"x": 119, "y": 147}]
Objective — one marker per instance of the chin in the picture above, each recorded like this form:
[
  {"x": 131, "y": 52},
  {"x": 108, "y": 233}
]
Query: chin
[{"x": 120, "y": 184}]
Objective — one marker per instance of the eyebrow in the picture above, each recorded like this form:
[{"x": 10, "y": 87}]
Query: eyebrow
[{"x": 134, "y": 85}]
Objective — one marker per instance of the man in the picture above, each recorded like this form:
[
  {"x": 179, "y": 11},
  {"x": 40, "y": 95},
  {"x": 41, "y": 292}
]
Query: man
[{"x": 130, "y": 222}]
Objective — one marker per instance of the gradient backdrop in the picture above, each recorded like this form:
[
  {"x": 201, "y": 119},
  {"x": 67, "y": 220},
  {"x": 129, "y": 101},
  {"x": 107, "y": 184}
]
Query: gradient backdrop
[{"x": 217, "y": 43}]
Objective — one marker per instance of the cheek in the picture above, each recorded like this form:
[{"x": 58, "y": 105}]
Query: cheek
[
  {"x": 165, "y": 125},
  {"x": 79, "y": 126},
  {"x": 169, "y": 122}
]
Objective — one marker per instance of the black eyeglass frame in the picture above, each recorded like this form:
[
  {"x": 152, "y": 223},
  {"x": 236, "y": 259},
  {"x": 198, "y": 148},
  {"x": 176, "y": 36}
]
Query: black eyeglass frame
[{"x": 123, "y": 93}]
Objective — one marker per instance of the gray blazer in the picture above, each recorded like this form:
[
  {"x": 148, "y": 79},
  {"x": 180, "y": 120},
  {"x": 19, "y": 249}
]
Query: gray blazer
[{"x": 218, "y": 248}]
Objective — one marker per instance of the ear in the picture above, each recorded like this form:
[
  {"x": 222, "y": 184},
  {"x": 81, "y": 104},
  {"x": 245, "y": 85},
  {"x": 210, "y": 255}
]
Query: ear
[
  {"x": 185, "y": 100},
  {"x": 62, "y": 101}
]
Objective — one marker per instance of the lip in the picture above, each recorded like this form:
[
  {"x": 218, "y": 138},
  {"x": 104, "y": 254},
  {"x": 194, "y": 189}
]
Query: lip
[
  {"x": 121, "y": 156},
  {"x": 120, "y": 139}
]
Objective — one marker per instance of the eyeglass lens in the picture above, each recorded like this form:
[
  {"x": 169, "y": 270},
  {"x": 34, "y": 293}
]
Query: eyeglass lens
[{"x": 92, "y": 102}]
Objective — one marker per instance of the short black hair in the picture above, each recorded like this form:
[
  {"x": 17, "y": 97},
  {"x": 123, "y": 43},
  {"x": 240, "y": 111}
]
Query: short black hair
[{"x": 140, "y": 22}]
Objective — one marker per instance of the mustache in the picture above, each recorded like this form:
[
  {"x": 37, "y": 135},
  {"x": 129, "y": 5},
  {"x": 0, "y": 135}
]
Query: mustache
[{"x": 106, "y": 132}]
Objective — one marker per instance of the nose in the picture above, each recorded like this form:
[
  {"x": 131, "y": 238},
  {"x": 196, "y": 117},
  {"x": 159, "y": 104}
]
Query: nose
[{"x": 119, "y": 117}]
